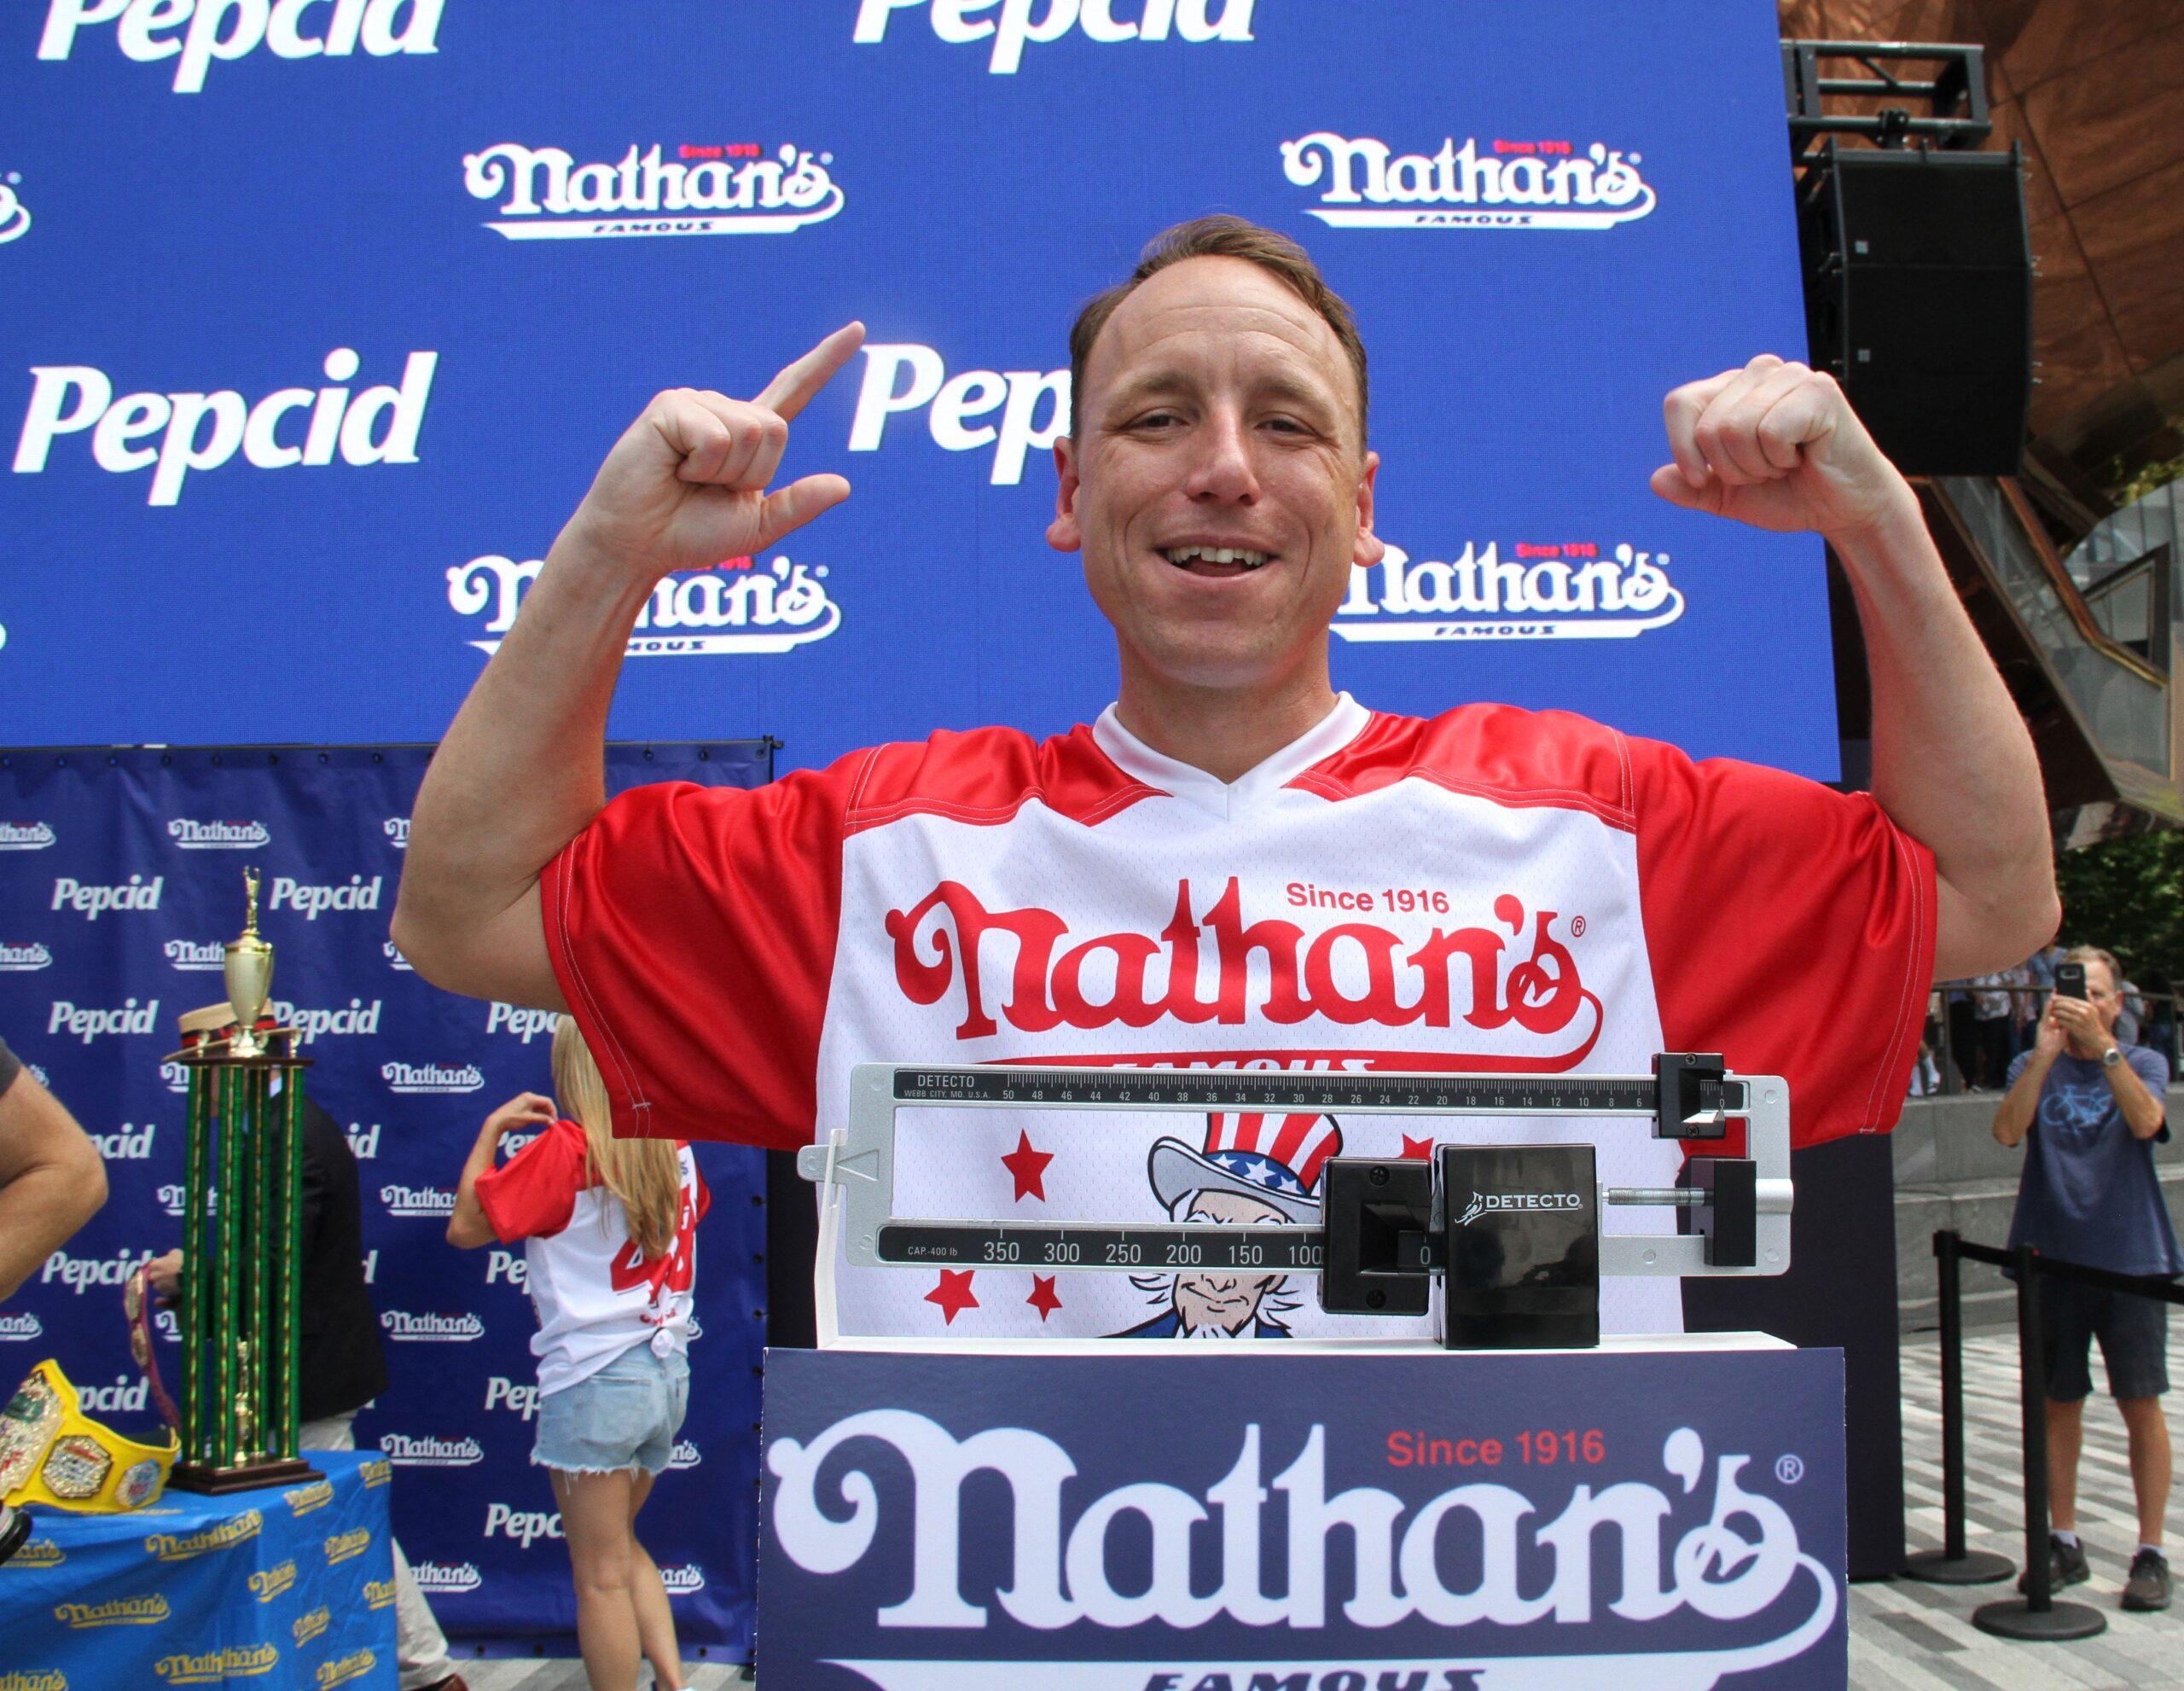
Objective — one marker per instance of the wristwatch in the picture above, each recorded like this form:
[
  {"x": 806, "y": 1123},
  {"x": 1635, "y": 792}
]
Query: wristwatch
[{"x": 2111, "y": 1057}]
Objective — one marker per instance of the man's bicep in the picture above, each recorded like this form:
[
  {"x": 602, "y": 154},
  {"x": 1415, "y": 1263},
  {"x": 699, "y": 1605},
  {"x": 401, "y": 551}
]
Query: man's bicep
[
  {"x": 503, "y": 956},
  {"x": 36, "y": 1130}
]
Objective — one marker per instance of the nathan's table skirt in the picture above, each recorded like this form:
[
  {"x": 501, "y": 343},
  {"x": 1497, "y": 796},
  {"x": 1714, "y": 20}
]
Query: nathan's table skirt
[{"x": 284, "y": 1587}]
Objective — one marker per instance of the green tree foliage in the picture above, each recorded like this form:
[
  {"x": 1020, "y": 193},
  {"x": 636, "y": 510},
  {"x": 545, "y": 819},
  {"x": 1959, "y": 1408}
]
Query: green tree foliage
[{"x": 2129, "y": 895}]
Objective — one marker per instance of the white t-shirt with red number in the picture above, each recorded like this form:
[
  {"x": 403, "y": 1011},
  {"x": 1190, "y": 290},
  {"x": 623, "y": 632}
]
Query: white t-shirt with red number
[
  {"x": 595, "y": 1293},
  {"x": 1490, "y": 889}
]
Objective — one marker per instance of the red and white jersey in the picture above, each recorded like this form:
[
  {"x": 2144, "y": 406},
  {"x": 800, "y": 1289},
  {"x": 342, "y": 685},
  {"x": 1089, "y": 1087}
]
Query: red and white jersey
[
  {"x": 1490, "y": 890},
  {"x": 595, "y": 1293}
]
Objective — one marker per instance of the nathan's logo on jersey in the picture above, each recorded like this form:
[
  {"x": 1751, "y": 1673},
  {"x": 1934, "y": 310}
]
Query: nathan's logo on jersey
[
  {"x": 25, "y": 1326},
  {"x": 195, "y": 34},
  {"x": 126, "y": 1143},
  {"x": 91, "y": 900},
  {"x": 204, "y": 431},
  {"x": 1033, "y": 406},
  {"x": 404, "y": 1451},
  {"x": 431, "y": 1077},
  {"x": 950, "y": 945},
  {"x": 88, "y": 1025},
  {"x": 397, "y": 830},
  {"x": 402, "y": 1326},
  {"x": 22, "y": 959},
  {"x": 191, "y": 956},
  {"x": 1564, "y": 591},
  {"x": 682, "y": 1581},
  {"x": 218, "y": 836},
  {"x": 417, "y": 1200},
  {"x": 545, "y": 194},
  {"x": 1365, "y": 184},
  {"x": 24, "y": 836},
  {"x": 14, "y": 216},
  {"x": 764, "y": 609},
  {"x": 1103, "y": 22},
  {"x": 436, "y": 1578}
]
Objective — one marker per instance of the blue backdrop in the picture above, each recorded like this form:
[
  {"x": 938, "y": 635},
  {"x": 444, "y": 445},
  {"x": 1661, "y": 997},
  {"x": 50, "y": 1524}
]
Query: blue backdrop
[
  {"x": 317, "y": 316},
  {"x": 120, "y": 875}
]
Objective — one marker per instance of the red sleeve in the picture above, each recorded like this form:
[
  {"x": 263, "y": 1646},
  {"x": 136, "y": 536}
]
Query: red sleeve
[
  {"x": 1791, "y": 928},
  {"x": 692, "y": 930},
  {"x": 532, "y": 1193}
]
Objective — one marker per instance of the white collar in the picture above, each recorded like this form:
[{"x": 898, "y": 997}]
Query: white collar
[{"x": 1187, "y": 782}]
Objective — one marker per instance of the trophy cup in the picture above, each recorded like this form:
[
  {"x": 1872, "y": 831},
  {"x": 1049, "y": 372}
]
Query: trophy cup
[{"x": 242, "y": 1216}]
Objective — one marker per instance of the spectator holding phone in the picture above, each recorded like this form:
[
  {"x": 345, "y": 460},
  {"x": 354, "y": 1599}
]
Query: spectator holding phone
[
  {"x": 2089, "y": 1109},
  {"x": 608, "y": 1228}
]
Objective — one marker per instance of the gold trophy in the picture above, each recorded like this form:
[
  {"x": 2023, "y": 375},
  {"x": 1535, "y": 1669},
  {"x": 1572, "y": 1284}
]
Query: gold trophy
[{"x": 239, "y": 1313}]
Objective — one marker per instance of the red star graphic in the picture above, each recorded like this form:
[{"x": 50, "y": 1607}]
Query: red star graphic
[
  {"x": 1418, "y": 1150},
  {"x": 1028, "y": 1168},
  {"x": 1042, "y": 1297},
  {"x": 954, "y": 1293}
]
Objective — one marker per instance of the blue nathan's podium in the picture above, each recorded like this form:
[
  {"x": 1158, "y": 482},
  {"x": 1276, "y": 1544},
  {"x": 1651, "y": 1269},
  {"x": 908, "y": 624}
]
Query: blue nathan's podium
[{"x": 1279, "y": 1511}]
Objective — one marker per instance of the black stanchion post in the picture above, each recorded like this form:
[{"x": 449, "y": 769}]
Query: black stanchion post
[
  {"x": 2036, "y": 1615},
  {"x": 1953, "y": 1563}
]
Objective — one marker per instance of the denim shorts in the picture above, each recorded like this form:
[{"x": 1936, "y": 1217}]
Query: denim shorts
[
  {"x": 624, "y": 1416},
  {"x": 2134, "y": 1334}
]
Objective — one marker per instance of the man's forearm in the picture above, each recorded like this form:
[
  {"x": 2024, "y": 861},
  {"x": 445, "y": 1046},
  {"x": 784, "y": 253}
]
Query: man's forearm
[
  {"x": 2013, "y": 1115},
  {"x": 520, "y": 771},
  {"x": 2144, "y": 1114},
  {"x": 1952, "y": 764}
]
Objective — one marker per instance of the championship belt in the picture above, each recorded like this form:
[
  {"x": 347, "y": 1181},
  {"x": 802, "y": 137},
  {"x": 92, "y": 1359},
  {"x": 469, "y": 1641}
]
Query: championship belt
[
  {"x": 137, "y": 1303},
  {"x": 51, "y": 1452}
]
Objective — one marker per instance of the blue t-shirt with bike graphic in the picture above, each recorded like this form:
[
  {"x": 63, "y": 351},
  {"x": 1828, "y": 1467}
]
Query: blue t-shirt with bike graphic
[{"x": 2090, "y": 1194}]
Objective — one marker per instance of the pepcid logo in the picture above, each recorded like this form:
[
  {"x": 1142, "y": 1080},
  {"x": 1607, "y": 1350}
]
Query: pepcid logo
[
  {"x": 128, "y": 1143},
  {"x": 22, "y": 1327},
  {"x": 22, "y": 959},
  {"x": 80, "y": 1274},
  {"x": 312, "y": 902},
  {"x": 404, "y": 1451},
  {"x": 417, "y": 1200},
  {"x": 545, "y": 194},
  {"x": 739, "y": 609},
  {"x": 218, "y": 836},
  {"x": 91, "y": 900},
  {"x": 14, "y": 216},
  {"x": 195, "y": 34},
  {"x": 24, "y": 836},
  {"x": 525, "y": 1024},
  {"x": 501, "y": 1392},
  {"x": 359, "y": 1018},
  {"x": 405, "y": 1328},
  {"x": 363, "y": 1142},
  {"x": 422, "y": 1078},
  {"x": 1015, "y": 29},
  {"x": 88, "y": 1025},
  {"x": 397, "y": 830},
  {"x": 204, "y": 431},
  {"x": 1365, "y": 184},
  {"x": 1566, "y": 590},
  {"x": 435, "y": 1578},
  {"x": 524, "y": 1525},
  {"x": 1033, "y": 404},
  {"x": 194, "y": 958}
]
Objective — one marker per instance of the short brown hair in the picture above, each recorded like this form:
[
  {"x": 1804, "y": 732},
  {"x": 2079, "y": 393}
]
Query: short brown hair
[
  {"x": 2093, "y": 954},
  {"x": 1221, "y": 236}
]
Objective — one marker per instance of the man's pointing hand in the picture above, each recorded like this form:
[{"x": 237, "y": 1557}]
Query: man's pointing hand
[{"x": 685, "y": 485}]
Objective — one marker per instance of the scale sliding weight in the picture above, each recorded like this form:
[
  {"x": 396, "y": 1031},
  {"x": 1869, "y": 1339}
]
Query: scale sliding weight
[{"x": 1512, "y": 1230}]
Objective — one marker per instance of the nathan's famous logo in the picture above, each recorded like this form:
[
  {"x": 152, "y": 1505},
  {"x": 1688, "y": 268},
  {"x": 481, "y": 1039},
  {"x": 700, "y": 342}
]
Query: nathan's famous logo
[
  {"x": 682, "y": 1581},
  {"x": 395, "y": 960},
  {"x": 14, "y": 216},
  {"x": 341, "y": 1546},
  {"x": 114, "y": 1612},
  {"x": 397, "y": 830},
  {"x": 417, "y": 1200},
  {"x": 25, "y": 836},
  {"x": 32, "y": 1678},
  {"x": 772, "y": 608},
  {"x": 379, "y": 1593},
  {"x": 376, "y": 1471},
  {"x": 434, "y": 1577},
  {"x": 23, "y": 959},
  {"x": 905, "y": 376},
  {"x": 218, "y": 1667},
  {"x": 204, "y": 431},
  {"x": 1353, "y": 972},
  {"x": 1738, "y": 1562},
  {"x": 23, "y": 1326},
  {"x": 166, "y": 1548},
  {"x": 268, "y": 1582},
  {"x": 405, "y": 1451},
  {"x": 195, "y": 32},
  {"x": 218, "y": 836},
  {"x": 684, "y": 1455},
  {"x": 1015, "y": 29},
  {"x": 306, "y": 1627},
  {"x": 1564, "y": 591},
  {"x": 431, "y": 1077},
  {"x": 431, "y": 1329},
  {"x": 303, "y": 1499},
  {"x": 1365, "y": 184},
  {"x": 194, "y": 958},
  {"x": 344, "y": 1669},
  {"x": 698, "y": 189}
]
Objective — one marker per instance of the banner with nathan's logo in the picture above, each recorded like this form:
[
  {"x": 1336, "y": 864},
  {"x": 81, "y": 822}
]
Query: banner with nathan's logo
[
  {"x": 470, "y": 268},
  {"x": 1307, "y": 1522},
  {"x": 126, "y": 878}
]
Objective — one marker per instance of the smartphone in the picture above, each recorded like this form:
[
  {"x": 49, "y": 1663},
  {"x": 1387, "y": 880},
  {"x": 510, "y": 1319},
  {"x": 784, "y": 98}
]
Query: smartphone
[{"x": 2069, "y": 980}]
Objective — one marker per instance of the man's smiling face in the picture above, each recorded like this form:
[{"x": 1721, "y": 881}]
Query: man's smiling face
[{"x": 1218, "y": 489}]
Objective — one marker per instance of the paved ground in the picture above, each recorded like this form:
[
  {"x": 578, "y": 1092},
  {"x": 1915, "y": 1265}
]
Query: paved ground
[{"x": 1904, "y": 1636}]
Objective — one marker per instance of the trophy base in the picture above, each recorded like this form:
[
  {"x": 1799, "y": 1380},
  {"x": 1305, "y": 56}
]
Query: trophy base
[{"x": 214, "y": 1482}]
